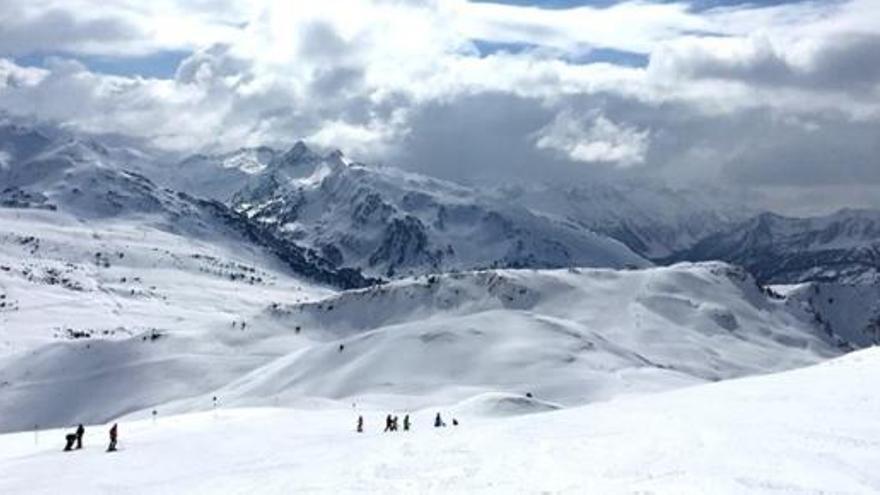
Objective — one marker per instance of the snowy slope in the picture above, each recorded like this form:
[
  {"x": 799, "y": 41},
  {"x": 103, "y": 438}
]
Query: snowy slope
[
  {"x": 849, "y": 312},
  {"x": 118, "y": 315},
  {"x": 812, "y": 430},
  {"x": 218, "y": 176},
  {"x": 391, "y": 223},
  {"x": 843, "y": 247},
  {"x": 567, "y": 336}
]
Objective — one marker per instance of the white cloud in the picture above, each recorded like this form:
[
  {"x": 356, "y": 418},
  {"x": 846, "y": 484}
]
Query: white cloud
[
  {"x": 363, "y": 75},
  {"x": 594, "y": 139}
]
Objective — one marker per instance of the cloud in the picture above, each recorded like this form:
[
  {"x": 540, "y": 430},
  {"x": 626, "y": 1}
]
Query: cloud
[
  {"x": 117, "y": 27},
  {"x": 594, "y": 139},
  {"x": 783, "y": 96}
]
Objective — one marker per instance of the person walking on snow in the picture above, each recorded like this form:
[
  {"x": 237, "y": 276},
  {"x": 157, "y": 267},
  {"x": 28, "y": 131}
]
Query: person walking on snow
[
  {"x": 360, "y": 426},
  {"x": 406, "y": 423},
  {"x": 438, "y": 421},
  {"x": 80, "y": 431},
  {"x": 112, "y": 446},
  {"x": 388, "y": 423}
]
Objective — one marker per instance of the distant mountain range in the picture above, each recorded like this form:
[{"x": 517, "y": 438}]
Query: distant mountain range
[
  {"x": 842, "y": 247},
  {"x": 328, "y": 215}
]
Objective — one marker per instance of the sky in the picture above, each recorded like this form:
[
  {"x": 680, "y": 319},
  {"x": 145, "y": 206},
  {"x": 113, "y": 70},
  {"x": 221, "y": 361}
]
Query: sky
[{"x": 774, "y": 96}]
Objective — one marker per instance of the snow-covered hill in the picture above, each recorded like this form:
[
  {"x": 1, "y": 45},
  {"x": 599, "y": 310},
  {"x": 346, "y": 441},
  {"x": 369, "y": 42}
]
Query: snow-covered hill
[
  {"x": 812, "y": 430},
  {"x": 121, "y": 315},
  {"x": 568, "y": 337},
  {"x": 843, "y": 247},
  {"x": 128, "y": 338}
]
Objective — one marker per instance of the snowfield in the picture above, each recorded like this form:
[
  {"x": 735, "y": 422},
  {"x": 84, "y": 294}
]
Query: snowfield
[{"x": 812, "y": 430}]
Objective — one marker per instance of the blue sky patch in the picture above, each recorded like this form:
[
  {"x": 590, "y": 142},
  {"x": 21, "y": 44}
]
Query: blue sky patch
[
  {"x": 589, "y": 55},
  {"x": 161, "y": 65}
]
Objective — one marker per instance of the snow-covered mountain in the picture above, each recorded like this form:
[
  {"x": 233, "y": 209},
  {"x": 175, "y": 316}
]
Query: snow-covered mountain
[
  {"x": 850, "y": 311},
  {"x": 218, "y": 176},
  {"x": 843, "y": 247},
  {"x": 84, "y": 179},
  {"x": 163, "y": 326},
  {"x": 391, "y": 223},
  {"x": 651, "y": 219},
  {"x": 129, "y": 285}
]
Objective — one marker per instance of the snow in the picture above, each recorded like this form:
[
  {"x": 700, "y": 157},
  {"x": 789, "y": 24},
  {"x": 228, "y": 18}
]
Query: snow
[
  {"x": 812, "y": 430},
  {"x": 80, "y": 305},
  {"x": 390, "y": 223},
  {"x": 119, "y": 298},
  {"x": 155, "y": 321},
  {"x": 849, "y": 312}
]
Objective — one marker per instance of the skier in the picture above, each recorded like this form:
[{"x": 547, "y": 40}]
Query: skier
[
  {"x": 388, "y": 423},
  {"x": 406, "y": 423},
  {"x": 360, "y": 427},
  {"x": 70, "y": 438},
  {"x": 112, "y": 446},
  {"x": 438, "y": 421},
  {"x": 80, "y": 431}
]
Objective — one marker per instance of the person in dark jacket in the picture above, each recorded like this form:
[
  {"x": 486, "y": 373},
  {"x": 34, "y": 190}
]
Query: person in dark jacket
[
  {"x": 80, "y": 431},
  {"x": 388, "y": 423},
  {"x": 70, "y": 438},
  {"x": 406, "y": 423},
  {"x": 360, "y": 426},
  {"x": 438, "y": 421},
  {"x": 113, "y": 432}
]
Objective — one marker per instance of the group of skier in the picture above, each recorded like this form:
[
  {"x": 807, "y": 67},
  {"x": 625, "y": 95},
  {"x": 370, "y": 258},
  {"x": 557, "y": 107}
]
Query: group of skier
[
  {"x": 392, "y": 423},
  {"x": 75, "y": 440}
]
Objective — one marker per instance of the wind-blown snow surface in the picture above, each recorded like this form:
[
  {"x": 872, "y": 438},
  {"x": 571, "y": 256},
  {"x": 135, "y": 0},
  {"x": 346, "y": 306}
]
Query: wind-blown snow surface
[{"x": 811, "y": 430}]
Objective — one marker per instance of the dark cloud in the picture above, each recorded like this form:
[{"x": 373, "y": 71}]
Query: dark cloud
[
  {"x": 54, "y": 29},
  {"x": 845, "y": 62}
]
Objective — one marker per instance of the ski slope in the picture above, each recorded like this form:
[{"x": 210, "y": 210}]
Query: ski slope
[{"x": 811, "y": 430}]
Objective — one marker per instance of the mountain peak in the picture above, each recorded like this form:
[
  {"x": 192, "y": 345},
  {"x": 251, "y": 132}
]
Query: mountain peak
[{"x": 300, "y": 152}]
